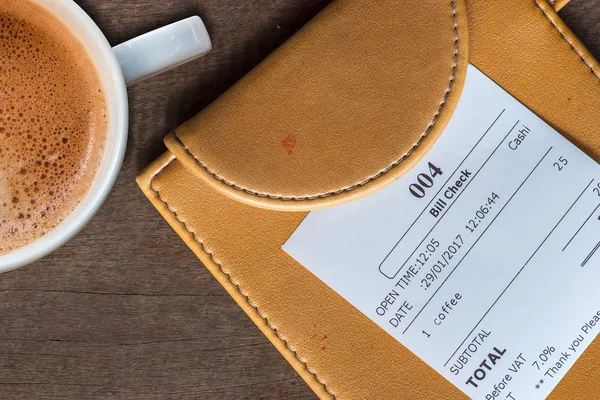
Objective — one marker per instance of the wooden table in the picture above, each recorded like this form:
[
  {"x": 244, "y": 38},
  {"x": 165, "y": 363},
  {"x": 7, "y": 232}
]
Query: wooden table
[{"x": 125, "y": 310}]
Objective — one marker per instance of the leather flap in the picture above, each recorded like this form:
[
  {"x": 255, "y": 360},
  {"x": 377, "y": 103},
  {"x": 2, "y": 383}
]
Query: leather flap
[
  {"x": 342, "y": 354},
  {"x": 345, "y": 107}
]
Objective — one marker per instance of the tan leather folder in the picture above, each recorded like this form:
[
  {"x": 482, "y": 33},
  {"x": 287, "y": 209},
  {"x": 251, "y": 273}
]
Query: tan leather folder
[{"x": 342, "y": 109}]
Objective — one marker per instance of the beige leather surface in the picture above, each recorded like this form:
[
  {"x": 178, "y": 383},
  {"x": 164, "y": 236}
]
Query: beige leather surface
[
  {"x": 343, "y": 108},
  {"x": 524, "y": 47}
]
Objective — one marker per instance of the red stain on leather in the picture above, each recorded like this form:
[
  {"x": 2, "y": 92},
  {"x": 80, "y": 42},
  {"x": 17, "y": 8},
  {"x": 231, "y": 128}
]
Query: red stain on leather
[
  {"x": 320, "y": 336},
  {"x": 289, "y": 142}
]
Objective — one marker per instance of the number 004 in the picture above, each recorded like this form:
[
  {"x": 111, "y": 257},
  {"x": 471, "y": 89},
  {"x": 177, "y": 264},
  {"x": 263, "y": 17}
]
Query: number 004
[{"x": 424, "y": 182}]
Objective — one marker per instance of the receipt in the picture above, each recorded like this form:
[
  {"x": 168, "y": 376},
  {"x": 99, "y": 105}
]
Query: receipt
[{"x": 483, "y": 259}]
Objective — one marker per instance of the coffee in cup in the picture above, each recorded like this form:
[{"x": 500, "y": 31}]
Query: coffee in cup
[{"x": 53, "y": 123}]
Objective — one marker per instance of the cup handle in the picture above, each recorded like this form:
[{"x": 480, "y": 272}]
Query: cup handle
[{"x": 163, "y": 49}]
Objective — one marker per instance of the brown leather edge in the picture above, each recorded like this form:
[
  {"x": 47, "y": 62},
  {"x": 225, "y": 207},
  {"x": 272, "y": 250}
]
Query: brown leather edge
[
  {"x": 381, "y": 179},
  {"x": 558, "y": 4},
  {"x": 147, "y": 180},
  {"x": 565, "y": 32}
]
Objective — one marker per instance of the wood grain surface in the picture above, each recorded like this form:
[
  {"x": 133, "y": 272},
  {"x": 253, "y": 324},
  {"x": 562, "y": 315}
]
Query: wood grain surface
[{"x": 125, "y": 310}]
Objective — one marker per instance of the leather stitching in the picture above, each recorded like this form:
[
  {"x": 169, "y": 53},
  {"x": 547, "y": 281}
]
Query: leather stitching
[
  {"x": 369, "y": 179},
  {"x": 236, "y": 284},
  {"x": 568, "y": 40},
  {"x": 227, "y": 273}
]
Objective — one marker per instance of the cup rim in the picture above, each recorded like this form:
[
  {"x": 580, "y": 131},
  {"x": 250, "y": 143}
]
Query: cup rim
[{"x": 102, "y": 182}]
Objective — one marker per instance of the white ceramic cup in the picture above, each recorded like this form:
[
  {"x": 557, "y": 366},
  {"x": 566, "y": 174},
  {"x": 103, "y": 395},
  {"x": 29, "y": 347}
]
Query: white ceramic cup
[{"x": 128, "y": 63}]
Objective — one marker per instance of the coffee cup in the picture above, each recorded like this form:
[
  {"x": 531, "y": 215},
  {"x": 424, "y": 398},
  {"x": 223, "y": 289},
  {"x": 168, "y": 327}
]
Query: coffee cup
[{"x": 117, "y": 68}]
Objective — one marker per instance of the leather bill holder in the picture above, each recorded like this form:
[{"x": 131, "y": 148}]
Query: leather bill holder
[{"x": 344, "y": 108}]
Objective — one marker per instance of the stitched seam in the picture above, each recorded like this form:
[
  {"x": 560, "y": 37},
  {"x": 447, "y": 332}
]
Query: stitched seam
[
  {"x": 568, "y": 40},
  {"x": 227, "y": 273},
  {"x": 371, "y": 178}
]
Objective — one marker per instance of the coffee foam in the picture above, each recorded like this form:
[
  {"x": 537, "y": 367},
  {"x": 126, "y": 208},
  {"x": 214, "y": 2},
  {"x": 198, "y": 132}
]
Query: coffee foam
[{"x": 52, "y": 123}]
